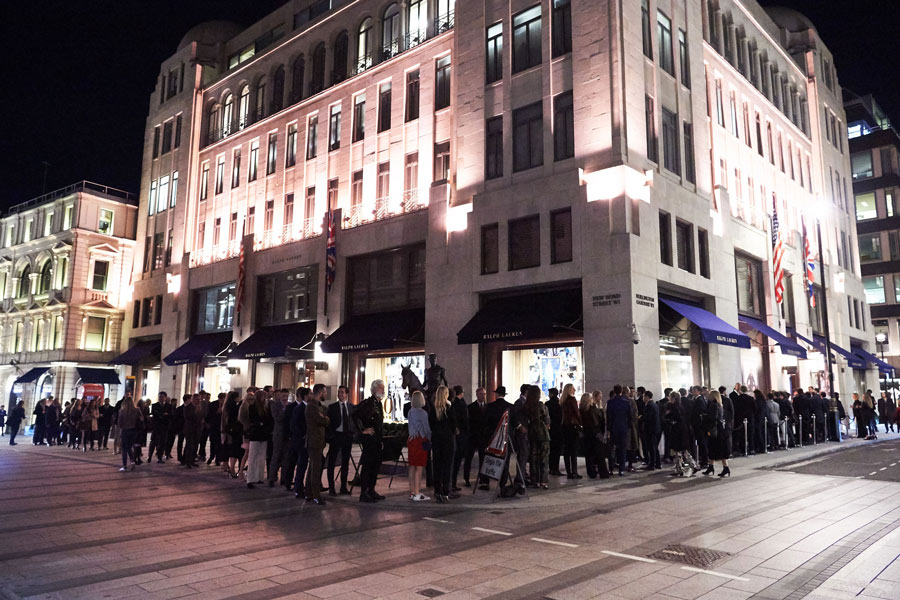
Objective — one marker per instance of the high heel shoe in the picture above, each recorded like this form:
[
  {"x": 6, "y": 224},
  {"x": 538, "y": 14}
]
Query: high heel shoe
[
  {"x": 710, "y": 470},
  {"x": 726, "y": 472}
]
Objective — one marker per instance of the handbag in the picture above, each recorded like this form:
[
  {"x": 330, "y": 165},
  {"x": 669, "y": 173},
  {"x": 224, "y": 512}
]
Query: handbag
[{"x": 426, "y": 445}]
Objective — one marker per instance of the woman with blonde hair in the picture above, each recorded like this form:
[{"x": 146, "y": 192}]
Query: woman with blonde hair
[
  {"x": 418, "y": 445},
  {"x": 257, "y": 421},
  {"x": 717, "y": 437},
  {"x": 571, "y": 428},
  {"x": 443, "y": 435}
]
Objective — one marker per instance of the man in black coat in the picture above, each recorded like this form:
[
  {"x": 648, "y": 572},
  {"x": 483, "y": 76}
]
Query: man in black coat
[
  {"x": 340, "y": 439},
  {"x": 651, "y": 430},
  {"x": 16, "y": 416},
  {"x": 368, "y": 419},
  {"x": 463, "y": 436},
  {"x": 290, "y": 450},
  {"x": 477, "y": 443},
  {"x": 555, "y": 411},
  {"x": 298, "y": 440},
  {"x": 161, "y": 414},
  {"x": 820, "y": 410},
  {"x": 493, "y": 414},
  {"x": 803, "y": 410},
  {"x": 698, "y": 425}
]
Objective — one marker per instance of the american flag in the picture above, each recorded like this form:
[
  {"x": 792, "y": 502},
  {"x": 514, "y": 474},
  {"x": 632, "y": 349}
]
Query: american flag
[
  {"x": 330, "y": 252},
  {"x": 777, "y": 253},
  {"x": 239, "y": 293},
  {"x": 810, "y": 267}
]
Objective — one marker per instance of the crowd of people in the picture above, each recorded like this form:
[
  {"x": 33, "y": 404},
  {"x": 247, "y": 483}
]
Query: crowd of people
[{"x": 269, "y": 437}]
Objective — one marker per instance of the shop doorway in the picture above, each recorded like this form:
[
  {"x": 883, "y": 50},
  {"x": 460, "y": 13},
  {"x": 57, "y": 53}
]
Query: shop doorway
[
  {"x": 683, "y": 356},
  {"x": 150, "y": 383}
]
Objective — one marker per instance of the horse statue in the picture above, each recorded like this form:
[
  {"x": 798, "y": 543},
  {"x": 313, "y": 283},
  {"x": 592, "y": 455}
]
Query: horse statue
[{"x": 410, "y": 382}]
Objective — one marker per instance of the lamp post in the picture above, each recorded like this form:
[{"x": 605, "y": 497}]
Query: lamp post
[{"x": 880, "y": 339}]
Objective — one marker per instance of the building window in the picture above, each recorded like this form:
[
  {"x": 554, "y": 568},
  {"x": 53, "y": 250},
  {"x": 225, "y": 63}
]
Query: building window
[
  {"x": 665, "y": 238},
  {"x": 217, "y": 232},
  {"x": 689, "y": 153},
  {"x": 749, "y": 285},
  {"x": 173, "y": 193},
  {"x": 289, "y": 212},
  {"x": 412, "y": 94},
  {"x": 146, "y": 312},
  {"x": 289, "y": 296},
  {"x": 861, "y": 165},
  {"x": 561, "y": 236},
  {"x": 290, "y": 150},
  {"x": 317, "y": 80},
  {"x": 490, "y": 249},
  {"x": 334, "y": 128},
  {"x": 48, "y": 224},
  {"x": 664, "y": 39},
  {"x": 364, "y": 46},
  {"x": 359, "y": 117},
  {"x": 271, "y": 155},
  {"x": 645, "y": 29},
  {"x": 167, "y": 137},
  {"x": 527, "y": 39},
  {"x": 524, "y": 242},
  {"x": 309, "y": 206},
  {"x": 865, "y": 207},
  {"x": 214, "y": 309},
  {"x": 356, "y": 192},
  {"x": 148, "y": 246},
  {"x": 332, "y": 194},
  {"x": 158, "y": 250},
  {"x": 493, "y": 147},
  {"x": 244, "y": 107},
  {"x": 169, "y": 243},
  {"x": 671, "y": 147},
  {"x": 95, "y": 334},
  {"x": 402, "y": 271},
  {"x": 101, "y": 273},
  {"x": 254, "y": 160},
  {"x": 410, "y": 176},
  {"x": 220, "y": 174},
  {"x": 157, "y": 313},
  {"x": 528, "y": 137},
  {"x": 201, "y": 239},
  {"x": 442, "y": 161},
  {"x": 870, "y": 247},
  {"x": 684, "y": 60},
  {"x": 384, "y": 107},
  {"x": 46, "y": 278},
  {"x": 650, "y": 127},
  {"x": 383, "y": 183},
  {"x": 250, "y": 224},
  {"x": 105, "y": 224},
  {"x": 563, "y": 126},
  {"x": 156, "y": 131},
  {"x": 562, "y": 27},
  {"x": 163, "y": 198},
  {"x": 235, "y": 168},
  {"x": 151, "y": 203},
  {"x": 135, "y": 314},
  {"x": 494, "y": 63},
  {"x": 684, "y": 244},
  {"x": 312, "y": 129},
  {"x": 874, "y": 287},
  {"x": 269, "y": 217},
  {"x": 720, "y": 108},
  {"x": 442, "y": 83},
  {"x": 703, "y": 251}
]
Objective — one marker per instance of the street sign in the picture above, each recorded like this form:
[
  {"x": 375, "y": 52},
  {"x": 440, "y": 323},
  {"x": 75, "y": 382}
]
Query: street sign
[
  {"x": 492, "y": 467},
  {"x": 497, "y": 447}
]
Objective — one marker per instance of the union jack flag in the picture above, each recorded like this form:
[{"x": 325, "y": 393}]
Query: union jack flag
[
  {"x": 810, "y": 268},
  {"x": 777, "y": 254},
  {"x": 330, "y": 252}
]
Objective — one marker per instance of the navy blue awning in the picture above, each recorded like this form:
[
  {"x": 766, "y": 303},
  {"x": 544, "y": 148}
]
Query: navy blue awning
[
  {"x": 883, "y": 367},
  {"x": 93, "y": 375},
  {"x": 536, "y": 316},
  {"x": 853, "y": 361},
  {"x": 198, "y": 346},
  {"x": 785, "y": 344},
  {"x": 32, "y": 375},
  {"x": 294, "y": 339},
  {"x": 378, "y": 331},
  {"x": 713, "y": 330},
  {"x": 138, "y": 353}
]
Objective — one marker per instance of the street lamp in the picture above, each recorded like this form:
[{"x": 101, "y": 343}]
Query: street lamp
[{"x": 880, "y": 339}]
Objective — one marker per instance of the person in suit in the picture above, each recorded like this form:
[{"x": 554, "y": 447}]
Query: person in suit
[
  {"x": 886, "y": 409},
  {"x": 618, "y": 414},
  {"x": 652, "y": 430},
  {"x": 277, "y": 404},
  {"x": 820, "y": 410},
  {"x": 698, "y": 425},
  {"x": 290, "y": 451},
  {"x": 316, "y": 426},
  {"x": 161, "y": 414},
  {"x": 555, "y": 411},
  {"x": 493, "y": 413},
  {"x": 2, "y": 420},
  {"x": 193, "y": 424},
  {"x": 477, "y": 442},
  {"x": 213, "y": 427},
  {"x": 368, "y": 420},
  {"x": 340, "y": 439},
  {"x": 298, "y": 440},
  {"x": 460, "y": 409},
  {"x": 178, "y": 424},
  {"x": 442, "y": 422},
  {"x": 16, "y": 416},
  {"x": 728, "y": 422}
]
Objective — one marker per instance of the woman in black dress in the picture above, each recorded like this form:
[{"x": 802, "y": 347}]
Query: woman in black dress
[
  {"x": 719, "y": 439},
  {"x": 233, "y": 434}
]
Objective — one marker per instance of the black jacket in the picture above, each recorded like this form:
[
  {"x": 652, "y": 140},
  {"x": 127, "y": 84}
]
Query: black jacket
[
  {"x": 555, "y": 411},
  {"x": 334, "y": 420},
  {"x": 369, "y": 415},
  {"x": 652, "y": 423},
  {"x": 493, "y": 412},
  {"x": 476, "y": 422},
  {"x": 162, "y": 415},
  {"x": 442, "y": 428},
  {"x": 298, "y": 424}
]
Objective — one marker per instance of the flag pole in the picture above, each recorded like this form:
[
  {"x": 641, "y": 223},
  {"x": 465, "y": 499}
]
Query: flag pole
[{"x": 825, "y": 326}]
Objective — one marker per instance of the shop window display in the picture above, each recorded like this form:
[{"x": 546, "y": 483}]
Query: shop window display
[
  {"x": 544, "y": 367},
  {"x": 388, "y": 369}
]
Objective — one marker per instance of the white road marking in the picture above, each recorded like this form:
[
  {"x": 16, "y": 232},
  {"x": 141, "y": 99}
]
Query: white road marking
[
  {"x": 893, "y": 464},
  {"x": 714, "y": 573},
  {"x": 555, "y": 543},
  {"x": 883, "y": 469},
  {"x": 629, "y": 556},
  {"x": 436, "y": 520},
  {"x": 494, "y": 531},
  {"x": 872, "y": 473}
]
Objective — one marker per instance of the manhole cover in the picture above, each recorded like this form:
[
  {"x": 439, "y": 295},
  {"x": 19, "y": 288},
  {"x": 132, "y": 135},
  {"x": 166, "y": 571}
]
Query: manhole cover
[
  {"x": 430, "y": 593},
  {"x": 689, "y": 555}
]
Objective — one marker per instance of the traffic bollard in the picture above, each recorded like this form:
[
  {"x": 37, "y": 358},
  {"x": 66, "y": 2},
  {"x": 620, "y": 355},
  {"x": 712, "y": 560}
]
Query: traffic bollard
[
  {"x": 815, "y": 440},
  {"x": 800, "y": 430},
  {"x": 746, "y": 448}
]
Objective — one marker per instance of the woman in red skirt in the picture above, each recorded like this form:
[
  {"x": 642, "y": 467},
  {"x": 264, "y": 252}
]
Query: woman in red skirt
[{"x": 418, "y": 445}]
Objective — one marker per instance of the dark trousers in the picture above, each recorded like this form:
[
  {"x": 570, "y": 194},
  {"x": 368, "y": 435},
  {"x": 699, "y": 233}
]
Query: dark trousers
[
  {"x": 590, "y": 454},
  {"x": 180, "y": 448},
  {"x": 570, "y": 449},
  {"x": 462, "y": 450},
  {"x": 39, "y": 431},
  {"x": 702, "y": 449},
  {"x": 104, "y": 437},
  {"x": 53, "y": 434},
  {"x": 470, "y": 454},
  {"x": 523, "y": 450},
  {"x": 758, "y": 429},
  {"x": 772, "y": 433},
  {"x": 341, "y": 444},
  {"x": 215, "y": 441},
  {"x": 289, "y": 464},
  {"x": 314, "y": 479},
  {"x": 651, "y": 449},
  {"x": 190, "y": 447},
  {"x": 204, "y": 437},
  {"x": 127, "y": 443},
  {"x": 370, "y": 463},
  {"x": 170, "y": 442},
  {"x": 442, "y": 458},
  {"x": 159, "y": 441},
  {"x": 13, "y": 432},
  {"x": 555, "y": 451},
  {"x": 620, "y": 439},
  {"x": 302, "y": 464}
]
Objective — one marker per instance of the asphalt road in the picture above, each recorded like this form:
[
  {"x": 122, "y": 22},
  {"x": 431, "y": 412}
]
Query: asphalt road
[{"x": 879, "y": 461}]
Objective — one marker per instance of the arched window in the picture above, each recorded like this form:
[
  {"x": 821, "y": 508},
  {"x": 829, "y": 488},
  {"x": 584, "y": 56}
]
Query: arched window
[
  {"x": 227, "y": 115},
  {"x": 297, "y": 73},
  {"x": 244, "y": 107},
  {"x": 213, "y": 132},
  {"x": 278, "y": 89},
  {"x": 260, "y": 99},
  {"x": 364, "y": 46},
  {"x": 341, "y": 56},
  {"x": 390, "y": 32},
  {"x": 24, "y": 283},
  {"x": 317, "y": 81},
  {"x": 417, "y": 23},
  {"x": 46, "y": 277}
]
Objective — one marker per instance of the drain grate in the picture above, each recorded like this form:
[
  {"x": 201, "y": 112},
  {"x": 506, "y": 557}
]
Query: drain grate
[
  {"x": 689, "y": 555},
  {"x": 430, "y": 593}
]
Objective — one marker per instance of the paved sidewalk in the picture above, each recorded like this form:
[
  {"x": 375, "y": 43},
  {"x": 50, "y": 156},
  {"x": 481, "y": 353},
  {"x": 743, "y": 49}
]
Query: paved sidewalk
[{"x": 72, "y": 526}]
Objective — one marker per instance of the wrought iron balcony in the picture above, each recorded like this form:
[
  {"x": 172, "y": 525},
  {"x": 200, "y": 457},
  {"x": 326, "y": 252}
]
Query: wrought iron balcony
[{"x": 444, "y": 22}]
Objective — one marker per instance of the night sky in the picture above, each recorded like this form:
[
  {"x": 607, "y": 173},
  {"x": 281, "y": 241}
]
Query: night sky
[{"x": 78, "y": 75}]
